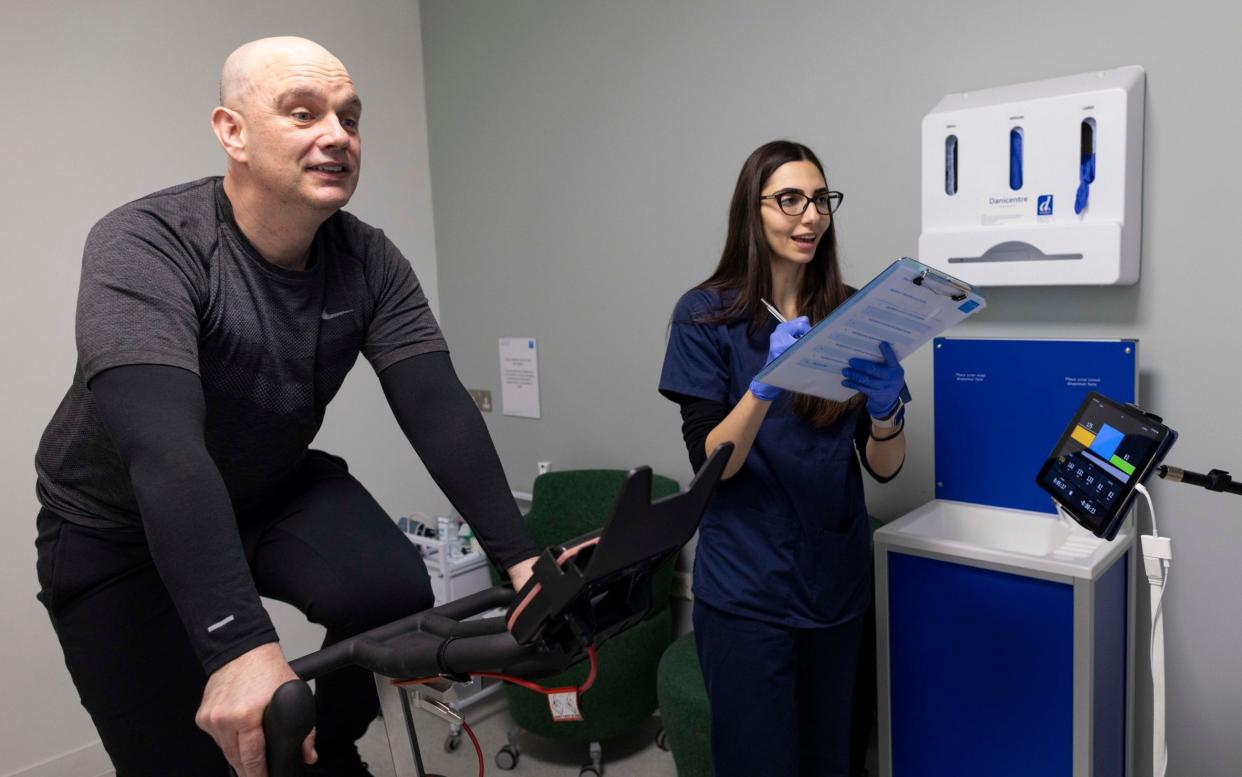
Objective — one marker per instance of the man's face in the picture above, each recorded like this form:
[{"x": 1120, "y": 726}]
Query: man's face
[{"x": 303, "y": 146}]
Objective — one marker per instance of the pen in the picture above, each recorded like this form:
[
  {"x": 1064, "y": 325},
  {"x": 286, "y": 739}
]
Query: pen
[{"x": 772, "y": 309}]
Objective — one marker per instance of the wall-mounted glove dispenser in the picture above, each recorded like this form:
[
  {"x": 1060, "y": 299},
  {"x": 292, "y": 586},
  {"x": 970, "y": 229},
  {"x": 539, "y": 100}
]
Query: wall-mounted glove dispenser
[{"x": 1037, "y": 184}]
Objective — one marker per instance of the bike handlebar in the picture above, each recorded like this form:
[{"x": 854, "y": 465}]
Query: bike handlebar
[
  {"x": 420, "y": 645},
  {"x": 287, "y": 721}
]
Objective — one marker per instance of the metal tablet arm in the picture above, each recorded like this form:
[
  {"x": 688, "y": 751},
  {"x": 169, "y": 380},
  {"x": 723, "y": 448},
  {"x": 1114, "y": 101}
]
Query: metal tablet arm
[
  {"x": 579, "y": 595},
  {"x": 1215, "y": 480}
]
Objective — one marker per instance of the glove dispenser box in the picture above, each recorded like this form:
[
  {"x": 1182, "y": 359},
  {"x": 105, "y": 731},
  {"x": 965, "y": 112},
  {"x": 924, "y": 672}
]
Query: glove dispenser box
[
  {"x": 1037, "y": 184},
  {"x": 1002, "y": 631}
]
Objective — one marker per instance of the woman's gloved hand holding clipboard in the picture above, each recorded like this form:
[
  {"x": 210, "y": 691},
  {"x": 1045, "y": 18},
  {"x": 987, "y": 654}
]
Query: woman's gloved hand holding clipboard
[
  {"x": 903, "y": 307},
  {"x": 880, "y": 382}
]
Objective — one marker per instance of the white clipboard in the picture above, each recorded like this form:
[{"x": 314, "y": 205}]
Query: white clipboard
[{"x": 907, "y": 305}]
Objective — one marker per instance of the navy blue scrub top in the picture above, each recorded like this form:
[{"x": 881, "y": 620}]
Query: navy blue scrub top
[{"x": 785, "y": 540}]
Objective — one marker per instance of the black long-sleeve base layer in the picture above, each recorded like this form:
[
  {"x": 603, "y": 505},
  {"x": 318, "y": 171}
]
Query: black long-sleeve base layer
[
  {"x": 154, "y": 416},
  {"x": 443, "y": 424}
]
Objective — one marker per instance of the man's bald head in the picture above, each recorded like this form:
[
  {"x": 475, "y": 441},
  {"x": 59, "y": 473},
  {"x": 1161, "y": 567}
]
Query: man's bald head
[
  {"x": 249, "y": 68},
  {"x": 288, "y": 121}
]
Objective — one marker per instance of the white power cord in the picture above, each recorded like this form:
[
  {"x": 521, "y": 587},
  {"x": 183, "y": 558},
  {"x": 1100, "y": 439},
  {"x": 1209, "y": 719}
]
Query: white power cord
[
  {"x": 1062, "y": 516},
  {"x": 1157, "y": 558}
]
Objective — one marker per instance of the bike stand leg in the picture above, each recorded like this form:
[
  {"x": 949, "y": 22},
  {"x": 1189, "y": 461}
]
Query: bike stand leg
[{"x": 407, "y": 760}]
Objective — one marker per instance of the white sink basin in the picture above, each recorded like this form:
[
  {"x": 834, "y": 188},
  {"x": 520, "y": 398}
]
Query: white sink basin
[
  {"x": 1032, "y": 534},
  {"x": 1002, "y": 536}
]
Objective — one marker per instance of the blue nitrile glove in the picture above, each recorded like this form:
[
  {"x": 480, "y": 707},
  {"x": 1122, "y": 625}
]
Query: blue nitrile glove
[
  {"x": 782, "y": 337},
  {"x": 1086, "y": 176},
  {"x": 880, "y": 382}
]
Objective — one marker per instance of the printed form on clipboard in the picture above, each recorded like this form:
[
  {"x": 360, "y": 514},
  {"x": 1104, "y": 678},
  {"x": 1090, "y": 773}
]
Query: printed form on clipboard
[{"x": 907, "y": 305}]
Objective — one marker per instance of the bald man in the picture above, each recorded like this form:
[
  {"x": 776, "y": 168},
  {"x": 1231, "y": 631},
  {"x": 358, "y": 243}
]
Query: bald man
[{"x": 215, "y": 322}]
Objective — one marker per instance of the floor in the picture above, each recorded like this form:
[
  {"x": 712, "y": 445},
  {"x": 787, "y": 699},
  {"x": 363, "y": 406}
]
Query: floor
[{"x": 634, "y": 755}]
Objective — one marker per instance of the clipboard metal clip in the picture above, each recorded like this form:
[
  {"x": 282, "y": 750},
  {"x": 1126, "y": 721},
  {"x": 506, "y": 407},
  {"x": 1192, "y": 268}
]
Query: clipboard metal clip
[{"x": 949, "y": 287}]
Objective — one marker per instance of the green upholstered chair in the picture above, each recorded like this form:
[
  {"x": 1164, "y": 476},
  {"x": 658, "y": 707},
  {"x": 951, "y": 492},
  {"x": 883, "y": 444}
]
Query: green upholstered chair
[
  {"x": 564, "y": 505},
  {"x": 684, "y": 709}
]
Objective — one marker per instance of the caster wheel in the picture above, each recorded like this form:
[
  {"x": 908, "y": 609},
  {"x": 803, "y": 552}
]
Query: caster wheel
[
  {"x": 506, "y": 758},
  {"x": 662, "y": 739},
  {"x": 588, "y": 771},
  {"x": 452, "y": 742}
]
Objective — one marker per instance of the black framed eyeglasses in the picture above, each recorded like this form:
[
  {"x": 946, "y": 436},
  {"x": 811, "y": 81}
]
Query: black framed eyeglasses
[{"x": 794, "y": 203}]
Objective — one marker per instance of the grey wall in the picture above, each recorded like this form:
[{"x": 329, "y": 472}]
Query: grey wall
[
  {"x": 108, "y": 102},
  {"x": 583, "y": 154}
]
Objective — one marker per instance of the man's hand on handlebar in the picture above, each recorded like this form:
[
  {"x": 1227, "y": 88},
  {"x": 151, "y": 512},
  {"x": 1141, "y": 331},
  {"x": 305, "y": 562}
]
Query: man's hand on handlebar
[
  {"x": 520, "y": 572},
  {"x": 233, "y": 704}
]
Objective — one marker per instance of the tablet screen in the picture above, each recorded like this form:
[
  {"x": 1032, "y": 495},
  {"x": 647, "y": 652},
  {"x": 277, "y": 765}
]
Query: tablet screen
[{"x": 1107, "y": 450}]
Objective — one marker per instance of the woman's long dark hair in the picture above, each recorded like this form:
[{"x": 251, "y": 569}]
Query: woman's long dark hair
[{"x": 745, "y": 264}]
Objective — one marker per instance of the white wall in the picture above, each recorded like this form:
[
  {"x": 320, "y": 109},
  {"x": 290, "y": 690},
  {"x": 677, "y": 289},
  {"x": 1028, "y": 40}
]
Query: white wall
[
  {"x": 108, "y": 102},
  {"x": 583, "y": 155}
]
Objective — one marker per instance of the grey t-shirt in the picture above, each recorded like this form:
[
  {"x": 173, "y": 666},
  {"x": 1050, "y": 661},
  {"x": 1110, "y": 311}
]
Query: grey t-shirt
[{"x": 169, "y": 279}]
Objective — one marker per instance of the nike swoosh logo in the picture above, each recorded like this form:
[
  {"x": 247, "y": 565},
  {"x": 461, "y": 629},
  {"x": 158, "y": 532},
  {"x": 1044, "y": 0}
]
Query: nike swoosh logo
[{"x": 329, "y": 316}]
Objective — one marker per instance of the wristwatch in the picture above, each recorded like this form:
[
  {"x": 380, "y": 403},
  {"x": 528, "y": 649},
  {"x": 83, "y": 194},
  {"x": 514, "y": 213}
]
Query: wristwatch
[{"x": 893, "y": 419}]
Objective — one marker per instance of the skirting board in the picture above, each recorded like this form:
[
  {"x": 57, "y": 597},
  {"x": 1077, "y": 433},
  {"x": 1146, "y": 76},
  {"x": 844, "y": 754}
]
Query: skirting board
[{"x": 89, "y": 761}]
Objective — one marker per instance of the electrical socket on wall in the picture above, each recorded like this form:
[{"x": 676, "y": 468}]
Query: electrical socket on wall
[
  {"x": 482, "y": 399},
  {"x": 544, "y": 467}
]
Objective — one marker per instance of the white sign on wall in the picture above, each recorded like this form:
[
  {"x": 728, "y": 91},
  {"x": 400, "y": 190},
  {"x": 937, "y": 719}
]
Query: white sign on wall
[{"x": 519, "y": 377}]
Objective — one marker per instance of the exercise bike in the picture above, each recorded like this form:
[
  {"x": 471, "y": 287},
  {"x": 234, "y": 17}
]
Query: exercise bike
[{"x": 579, "y": 595}]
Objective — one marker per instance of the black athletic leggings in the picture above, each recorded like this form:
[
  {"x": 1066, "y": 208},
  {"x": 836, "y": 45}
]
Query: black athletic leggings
[{"x": 323, "y": 545}]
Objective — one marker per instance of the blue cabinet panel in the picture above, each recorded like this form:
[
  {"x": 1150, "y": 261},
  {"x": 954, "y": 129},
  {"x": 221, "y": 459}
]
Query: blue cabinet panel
[
  {"x": 1001, "y": 406},
  {"x": 981, "y": 671}
]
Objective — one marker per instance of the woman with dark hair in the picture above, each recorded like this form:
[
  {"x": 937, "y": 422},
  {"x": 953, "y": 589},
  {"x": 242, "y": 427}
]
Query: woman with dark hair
[{"x": 782, "y": 575}]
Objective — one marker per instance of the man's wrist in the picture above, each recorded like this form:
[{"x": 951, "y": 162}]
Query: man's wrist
[
  {"x": 521, "y": 572},
  {"x": 259, "y": 654},
  {"x": 221, "y": 658}
]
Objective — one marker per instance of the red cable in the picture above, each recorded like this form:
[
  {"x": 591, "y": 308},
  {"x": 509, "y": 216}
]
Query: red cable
[
  {"x": 586, "y": 685},
  {"x": 527, "y": 684},
  {"x": 475, "y": 741},
  {"x": 518, "y": 681}
]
